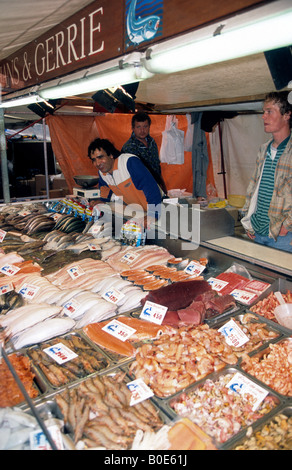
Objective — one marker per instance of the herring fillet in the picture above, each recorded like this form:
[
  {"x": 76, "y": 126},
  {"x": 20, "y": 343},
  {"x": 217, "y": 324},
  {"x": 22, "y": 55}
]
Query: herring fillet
[{"x": 43, "y": 331}]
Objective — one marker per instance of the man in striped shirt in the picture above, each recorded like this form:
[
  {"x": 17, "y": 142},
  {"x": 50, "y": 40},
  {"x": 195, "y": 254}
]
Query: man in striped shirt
[{"x": 267, "y": 211}]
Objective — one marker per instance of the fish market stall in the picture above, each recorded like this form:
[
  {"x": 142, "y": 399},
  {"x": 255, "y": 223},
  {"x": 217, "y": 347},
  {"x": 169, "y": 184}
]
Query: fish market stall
[{"x": 115, "y": 343}]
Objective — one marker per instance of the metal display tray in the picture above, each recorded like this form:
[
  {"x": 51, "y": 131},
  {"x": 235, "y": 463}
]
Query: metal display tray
[{"x": 165, "y": 404}]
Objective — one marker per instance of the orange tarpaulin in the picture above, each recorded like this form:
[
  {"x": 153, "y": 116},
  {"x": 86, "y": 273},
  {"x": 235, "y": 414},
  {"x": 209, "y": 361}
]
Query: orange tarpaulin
[{"x": 71, "y": 135}]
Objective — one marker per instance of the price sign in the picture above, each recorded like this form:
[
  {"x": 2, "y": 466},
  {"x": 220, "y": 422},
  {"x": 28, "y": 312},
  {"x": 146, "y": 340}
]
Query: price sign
[
  {"x": 6, "y": 288},
  {"x": 38, "y": 440},
  {"x": 28, "y": 290},
  {"x": 60, "y": 353},
  {"x": 70, "y": 307},
  {"x": 243, "y": 296},
  {"x": 119, "y": 330},
  {"x": 254, "y": 393},
  {"x": 139, "y": 391},
  {"x": 129, "y": 257},
  {"x": 217, "y": 284},
  {"x": 2, "y": 235},
  {"x": 153, "y": 312},
  {"x": 75, "y": 272},
  {"x": 194, "y": 268},
  {"x": 113, "y": 295},
  {"x": 234, "y": 336},
  {"x": 9, "y": 269},
  {"x": 93, "y": 247}
]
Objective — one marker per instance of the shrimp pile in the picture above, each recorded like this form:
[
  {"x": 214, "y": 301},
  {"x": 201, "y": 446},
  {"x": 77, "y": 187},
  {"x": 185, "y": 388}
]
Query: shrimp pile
[
  {"x": 98, "y": 412},
  {"x": 172, "y": 363},
  {"x": 266, "y": 306},
  {"x": 274, "y": 368},
  {"x": 220, "y": 412}
]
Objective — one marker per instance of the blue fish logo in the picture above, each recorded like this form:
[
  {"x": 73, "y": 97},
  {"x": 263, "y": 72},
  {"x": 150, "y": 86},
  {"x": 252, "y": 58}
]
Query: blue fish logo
[{"x": 141, "y": 29}]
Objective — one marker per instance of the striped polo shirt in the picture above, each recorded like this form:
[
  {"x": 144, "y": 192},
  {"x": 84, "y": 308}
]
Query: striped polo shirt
[{"x": 260, "y": 219}]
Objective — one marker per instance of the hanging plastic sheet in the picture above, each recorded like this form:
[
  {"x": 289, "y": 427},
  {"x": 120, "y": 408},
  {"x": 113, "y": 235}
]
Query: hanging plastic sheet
[{"x": 172, "y": 146}]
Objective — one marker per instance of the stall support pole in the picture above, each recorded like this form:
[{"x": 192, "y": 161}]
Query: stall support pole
[
  {"x": 3, "y": 153},
  {"x": 46, "y": 158}
]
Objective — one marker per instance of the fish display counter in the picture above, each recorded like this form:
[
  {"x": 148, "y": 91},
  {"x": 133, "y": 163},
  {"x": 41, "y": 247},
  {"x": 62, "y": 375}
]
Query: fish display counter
[{"x": 120, "y": 341}]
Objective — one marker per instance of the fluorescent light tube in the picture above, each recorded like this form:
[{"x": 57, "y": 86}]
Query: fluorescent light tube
[
  {"x": 204, "y": 47},
  {"x": 95, "y": 82},
  {"x": 21, "y": 101}
]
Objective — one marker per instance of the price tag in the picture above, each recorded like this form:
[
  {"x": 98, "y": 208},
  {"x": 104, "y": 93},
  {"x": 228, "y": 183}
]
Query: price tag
[
  {"x": 6, "y": 288},
  {"x": 194, "y": 268},
  {"x": 28, "y": 290},
  {"x": 153, "y": 312},
  {"x": 70, "y": 307},
  {"x": 139, "y": 391},
  {"x": 248, "y": 389},
  {"x": 93, "y": 247},
  {"x": 9, "y": 269},
  {"x": 2, "y": 235},
  {"x": 234, "y": 336},
  {"x": 60, "y": 353},
  {"x": 129, "y": 257},
  {"x": 119, "y": 330},
  {"x": 75, "y": 272},
  {"x": 39, "y": 441},
  {"x": 243, "y": 296},
  {"x": 113, "y": 295},
  {"x": 24, "y": 212},
  {"x": 217, "y": 284}
]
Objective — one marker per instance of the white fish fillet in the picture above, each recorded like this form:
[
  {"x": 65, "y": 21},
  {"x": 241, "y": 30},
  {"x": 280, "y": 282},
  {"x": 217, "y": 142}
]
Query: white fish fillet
[
  {"x": 43, "y": 331},
  {"x": 30, "y": 318},
  {"x": 15, "y": 314},
  {"x": 103, "y": 311}
]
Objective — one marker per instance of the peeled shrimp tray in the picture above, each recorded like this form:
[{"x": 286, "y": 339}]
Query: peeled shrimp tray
[
  {"x": 224, "y": 404},
  {"x": 67, "y": 359}
]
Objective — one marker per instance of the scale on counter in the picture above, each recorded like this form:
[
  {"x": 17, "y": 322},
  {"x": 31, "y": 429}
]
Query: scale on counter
[{"x": 87, "y": 189}]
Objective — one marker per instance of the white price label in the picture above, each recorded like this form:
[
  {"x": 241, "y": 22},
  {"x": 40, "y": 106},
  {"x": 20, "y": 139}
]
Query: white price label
[
  {"x": 2, "y": 235},
  {"x": 119, "y": 330},
  {"x": 39, "y": 441},
  {"x": 60, "y": 353},
  {"x": 217, "y": 284},
  {"x": 75, "y": 272},
  {"x": 9, "y": 269},
  {"x": 194, "y": 268},
  {"x": 28, "y": 290},
  {"x": 93, "y": 247},
  {"x": 113, "y": 295},
  {"x": 70, "y": 307},
  {"x": 6, "y": 288},
  {"x": 129, "y": 257},
  {"x": 248, "y": 389},
  {"x": 154, "y": 313},
  {"x": 139, "y": 391},
  {"x": 243, "y": 296},
  {"x": 234, "y": 336}
]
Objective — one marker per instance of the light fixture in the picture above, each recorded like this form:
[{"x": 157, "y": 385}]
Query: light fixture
[
  {"x": 124, "y": 71},
  {"x": 23, "y": 100},
  {"x": 259, "y": 30}
]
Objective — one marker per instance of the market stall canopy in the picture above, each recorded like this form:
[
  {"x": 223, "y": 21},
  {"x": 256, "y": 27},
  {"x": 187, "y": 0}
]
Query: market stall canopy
[{"x": 240, "y": 83}]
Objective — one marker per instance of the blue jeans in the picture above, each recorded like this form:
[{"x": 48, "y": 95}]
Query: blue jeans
[{"x": 282, "y": 243}]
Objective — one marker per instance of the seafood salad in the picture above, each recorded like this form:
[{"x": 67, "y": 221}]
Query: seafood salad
[{"x": 217, "y": 410}]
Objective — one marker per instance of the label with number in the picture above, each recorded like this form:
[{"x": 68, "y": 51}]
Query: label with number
[
  {"x": 9, "y": 269},
  {"x": 2, "y": 235},
  {"x": 243, "y": 296},
  {"x": 28, "y": 290},
  {"x": 6, "y": 288},
  {"x": 70, "y": 307},
  {"x": 248, "y": 389},
  {"x": 234, "y": 336},
  {"x": 60, "y": 353},
  {"x": 119, "y": 330},
  {"x": 139, "y": 391},
  {"x": 129, "y": 257},
  {"x": 194, "y": 268},
  {"x": 75, "y": 272},
  {"x": 113, "y": 295},
  {"x": 217, "y": 284},
  {"x": 153, "y": 312}
]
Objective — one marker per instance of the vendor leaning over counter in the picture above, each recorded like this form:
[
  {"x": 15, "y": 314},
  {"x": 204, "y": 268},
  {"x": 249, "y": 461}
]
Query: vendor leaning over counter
[
  {"x": 267, "y": 211},
  {"x": 124, "y": 175}
]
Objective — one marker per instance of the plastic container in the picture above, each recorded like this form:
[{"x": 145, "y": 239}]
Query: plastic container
[
  {"x": 283, "y": 314},
  {"x": 236, "y": 200}
]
